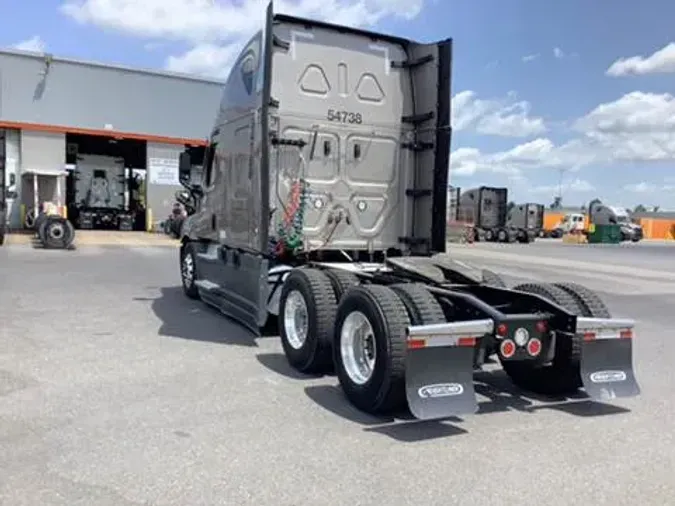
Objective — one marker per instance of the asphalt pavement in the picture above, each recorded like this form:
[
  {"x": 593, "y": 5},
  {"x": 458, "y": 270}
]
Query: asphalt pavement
[{"x": 117, "y": 390}]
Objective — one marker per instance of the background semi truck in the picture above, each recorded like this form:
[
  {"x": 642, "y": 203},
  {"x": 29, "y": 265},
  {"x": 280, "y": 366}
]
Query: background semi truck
[
  {"x": 326, "y": 212},
  {"x": 101, "y": 193},
  {"x": 527, "y": 220},
  {"x": 487, "y": 207},
  {"x": 599, "y": 214}
]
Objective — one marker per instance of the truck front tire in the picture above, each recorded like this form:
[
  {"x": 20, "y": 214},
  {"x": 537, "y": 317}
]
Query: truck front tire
[{"x": 188, "y": 270}]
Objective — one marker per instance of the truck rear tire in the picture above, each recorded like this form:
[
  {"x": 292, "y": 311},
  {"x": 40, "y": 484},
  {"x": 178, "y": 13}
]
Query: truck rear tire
[
  {"x": 503, "y": 235},
  {"x": 422, "y": 306},
  {"x": 341, "y": 281},
  {"x": 188, "y": 270},
  {"x": 489, "y": 235},
  {"x": 590, "y": 303},
  {"x": 307, "y": 308},
  {"x": 369, "y": 348},
  {"x": 562, "y": 376}
]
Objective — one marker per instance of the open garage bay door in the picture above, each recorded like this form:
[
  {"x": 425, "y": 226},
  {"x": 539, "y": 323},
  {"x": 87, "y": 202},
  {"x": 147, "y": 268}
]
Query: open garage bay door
[{"x": 43, "y": 151}]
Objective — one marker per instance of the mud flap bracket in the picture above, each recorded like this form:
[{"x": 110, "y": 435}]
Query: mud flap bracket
[
  {"x": 607, "y": 358},
  {"x": 439, "y": 368}
]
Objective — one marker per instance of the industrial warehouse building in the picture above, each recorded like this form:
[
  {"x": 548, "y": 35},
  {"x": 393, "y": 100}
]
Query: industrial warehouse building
[{"x": 58, "y": 114}]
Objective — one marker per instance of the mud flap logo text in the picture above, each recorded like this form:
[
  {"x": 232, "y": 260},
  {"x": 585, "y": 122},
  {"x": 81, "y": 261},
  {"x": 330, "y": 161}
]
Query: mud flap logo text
[
  {"x": 440, "y": 390},
  {"x": 608, "y": 376}
]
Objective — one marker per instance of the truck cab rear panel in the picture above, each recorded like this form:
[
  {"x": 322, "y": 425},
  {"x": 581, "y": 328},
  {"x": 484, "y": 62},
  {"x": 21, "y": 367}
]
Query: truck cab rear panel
[{"x": 374, "y": 120}]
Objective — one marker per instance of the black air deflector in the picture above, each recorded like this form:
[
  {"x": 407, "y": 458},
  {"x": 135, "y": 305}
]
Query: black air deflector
[{"x": 443, "y": 138}]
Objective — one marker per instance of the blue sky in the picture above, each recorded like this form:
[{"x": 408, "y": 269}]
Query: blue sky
[{"x": 524, "y": 110}]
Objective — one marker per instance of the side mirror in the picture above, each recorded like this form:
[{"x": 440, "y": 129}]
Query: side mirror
[{"x": 184, "y": 167}]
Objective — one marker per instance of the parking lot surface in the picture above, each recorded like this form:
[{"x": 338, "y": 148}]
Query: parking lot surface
[{"x": 116, "y": 390}]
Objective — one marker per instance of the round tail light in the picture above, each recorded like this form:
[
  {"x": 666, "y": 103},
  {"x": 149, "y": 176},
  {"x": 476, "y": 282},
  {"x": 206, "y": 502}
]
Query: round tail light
[
  {"x": 507, "y": 348},
  {"x": 534, "y": 347}
]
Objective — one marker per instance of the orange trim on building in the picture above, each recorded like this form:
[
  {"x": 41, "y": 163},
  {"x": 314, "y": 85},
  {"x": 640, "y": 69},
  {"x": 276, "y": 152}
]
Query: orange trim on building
[{"x": 36, "y": 127}]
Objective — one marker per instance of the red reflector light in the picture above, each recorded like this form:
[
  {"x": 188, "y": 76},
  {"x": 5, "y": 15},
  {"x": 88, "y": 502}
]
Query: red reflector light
[
  {"x": 507, "y": 348},
  {"x": 502, "y": 329},
  {"x": 626, "y": 334},
  {"x": 589, "y": 336},
  {"x": 541, "y": 326},
  {"x": 415, "y": 344},
  {"x": 534, "y": 347},
  {"x": 466, "y": 341}
]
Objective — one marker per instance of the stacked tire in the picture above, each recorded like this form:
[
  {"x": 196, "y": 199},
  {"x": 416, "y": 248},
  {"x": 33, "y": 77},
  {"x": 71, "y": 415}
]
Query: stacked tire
[{"x": 54, "y": 232}]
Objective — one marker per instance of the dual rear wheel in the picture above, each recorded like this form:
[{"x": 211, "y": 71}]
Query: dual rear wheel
[
  {"x": 562, "y": 376},
  {"x": 330, "y": 322}
]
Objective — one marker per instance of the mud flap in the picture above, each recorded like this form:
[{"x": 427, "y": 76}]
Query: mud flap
[
  {"x": 439, "y": 368},
  {"x": 607, "y": 358}
]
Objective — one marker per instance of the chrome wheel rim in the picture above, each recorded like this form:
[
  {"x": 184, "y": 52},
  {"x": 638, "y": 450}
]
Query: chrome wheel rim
[
  {"x": 357, "y": 347},
  {"x": 296, "y": 318},
  {"x": 188, "y": 270}
]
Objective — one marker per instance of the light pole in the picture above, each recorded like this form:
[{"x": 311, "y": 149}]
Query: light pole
[{"x": 561, "y": 175}]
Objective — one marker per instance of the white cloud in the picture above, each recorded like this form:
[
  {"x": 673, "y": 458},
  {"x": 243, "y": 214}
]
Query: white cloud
[
  {"x": 530, "y": 57},
  {"x": 659, "y": 62},
  {"x": 576, "y": 185},
  {"x": 35, "y": 44},
  {"x": 641, "y": 187},
  {"x": 645, "y": 187},
  {"x": 638, "y": 127},
  {"x": 205, "y": 59},
  {"x": 503, "y": 117},
  {"x": 469, "y": 161},
  {"x": 211, "y": 27},
  {"x": 558, "y": 53}
]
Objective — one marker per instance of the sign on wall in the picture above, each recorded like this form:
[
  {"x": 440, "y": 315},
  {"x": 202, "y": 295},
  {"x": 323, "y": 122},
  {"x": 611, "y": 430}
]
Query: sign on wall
[{"x": 163, "y": 171}]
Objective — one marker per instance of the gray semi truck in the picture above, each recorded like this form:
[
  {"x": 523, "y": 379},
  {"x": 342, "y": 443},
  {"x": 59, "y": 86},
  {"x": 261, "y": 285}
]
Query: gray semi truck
[
  {"x": 527, "y": 220},
  {"x": 323, "y": 206},
  {"x": 487, "y": 208},
  {"x": 601, "y": 214}
]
